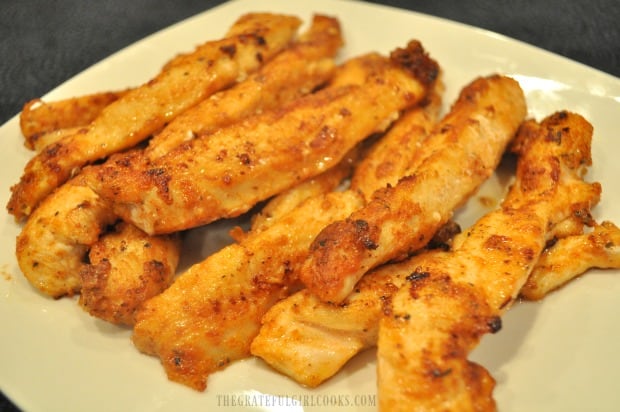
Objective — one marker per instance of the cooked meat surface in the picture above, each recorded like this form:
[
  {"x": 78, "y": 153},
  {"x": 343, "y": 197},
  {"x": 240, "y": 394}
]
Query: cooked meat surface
[
  {"x": 449, "y": 302},
  {"x": 208, "y": 317},
  {"x": 470, "y": 139},
  {"x": 226, "y": 173},
  {"x": 146, "y": 109},
  {"x": 296, "y": 71}
]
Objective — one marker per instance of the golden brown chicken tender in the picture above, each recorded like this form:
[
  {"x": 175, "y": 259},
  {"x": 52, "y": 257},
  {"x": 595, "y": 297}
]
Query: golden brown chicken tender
[
  {"x": 571, "y": 256},
  {"x": 296, "y": 71},
  {"x": 126, "y": 268},
  {"x": 470, "y": 140},
  {"x": 452, "y": 299},
  {"x": 39, "y": 118},
  {"x": 210, "y": 314},
  {"x": 226, "y": 173},
  {"x": 52, "y": 245},
  {"x": 146, "y": 109}
]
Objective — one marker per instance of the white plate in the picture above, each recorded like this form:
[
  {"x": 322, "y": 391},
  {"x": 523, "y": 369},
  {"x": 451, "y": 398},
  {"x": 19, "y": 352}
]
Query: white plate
[{"x": 557, "y": 355}]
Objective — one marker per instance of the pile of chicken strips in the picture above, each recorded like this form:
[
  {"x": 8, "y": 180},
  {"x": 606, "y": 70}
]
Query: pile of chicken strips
[{"x": 350, "y": 173}]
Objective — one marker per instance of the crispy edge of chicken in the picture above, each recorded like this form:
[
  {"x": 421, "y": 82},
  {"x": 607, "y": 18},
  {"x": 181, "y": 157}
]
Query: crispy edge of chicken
[
  {"x": 280, "y": 205},
  {"x": 398, "y": 220},
  {"x": 48, "y": 138},
  {"x": 440, "y": 315},
  {"x": 52, "y": 246},
  {"x": 572, "y": 256},
  {"x": 226, "y": 173},
  {"x": 146, "y": 109},
  {"x": 387, "y": 161},
  {"x": 310, "y": 340},
  {"x": 208, "y": 317},
  {"x": 296, "y": 71},
  {"x": 39, "y": 118},
  {"x": 126, "y": 268}
]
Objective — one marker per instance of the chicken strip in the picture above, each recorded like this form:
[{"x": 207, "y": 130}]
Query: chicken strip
[
  {"x": 126, "y": 268},
  {"x": 449, "y": 302},
  {"x": 390, "y": 159},
  {"x": 471, "y": 139},
  {"x": 228, "y": 172},
  {"x": 66, "y": 248},
  {"x": 208, "y": 317},
  {"x": 53, "y": 248},
  {"x": 45, "y": 139},
  {"x": 572, "y": 256},
  {"x": 285, "y": 202},
  {"x": 296, "y": 71},
  {"x": 303, "y": 68},
  {"x": 310, "y": 340},
  {"x": 39, "y": 117},
  {"x": 52, "y": 252},
  {"x": 53, "y": 243},
  {"x": 370, "y": 170},
  {"x": 376, "y": 166},
  {"x": 146, "y": 109}
]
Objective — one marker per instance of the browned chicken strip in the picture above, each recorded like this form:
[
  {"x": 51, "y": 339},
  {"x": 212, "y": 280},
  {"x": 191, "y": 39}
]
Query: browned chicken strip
[
  {"x": 449, "y": 302},
  {"x": 283, "y": 203},
  {"x": 127, "y": 267},
  {"x": 310, "y": 340},
  {"x": 572, "y": 256},
  {"x": 290, "y": 74},
  {"x": 65, "y": 248},
  {"x": 39, "y": 117},
  {"x": 391, "y": 158},
  {"x": 400, "y": 219},
  {"x": 373, "y": 161},
  {"x": 52, "y": 245},
  {"x": 210, "y": 314},
  {"x": 296, "y": 71},
  {"x": 146, "y": 109},
  {"x": 45, "y": 139},
  {"x": 225, "y": 173},
  {"x": 189, "y": 357}
]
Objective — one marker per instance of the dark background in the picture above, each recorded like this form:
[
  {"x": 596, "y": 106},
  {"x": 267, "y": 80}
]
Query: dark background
[{"x": 45, "y": 42}]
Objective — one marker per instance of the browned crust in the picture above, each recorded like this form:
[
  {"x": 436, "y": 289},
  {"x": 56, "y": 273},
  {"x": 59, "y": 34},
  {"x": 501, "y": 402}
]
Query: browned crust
[
  {"x": 39, "y": 117},
  {"x": 463, "y": 151},
  {"x": 252, "y": 160},
  {"x": 133, "y": 118},
  {"x": 126, "y": 268}
]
